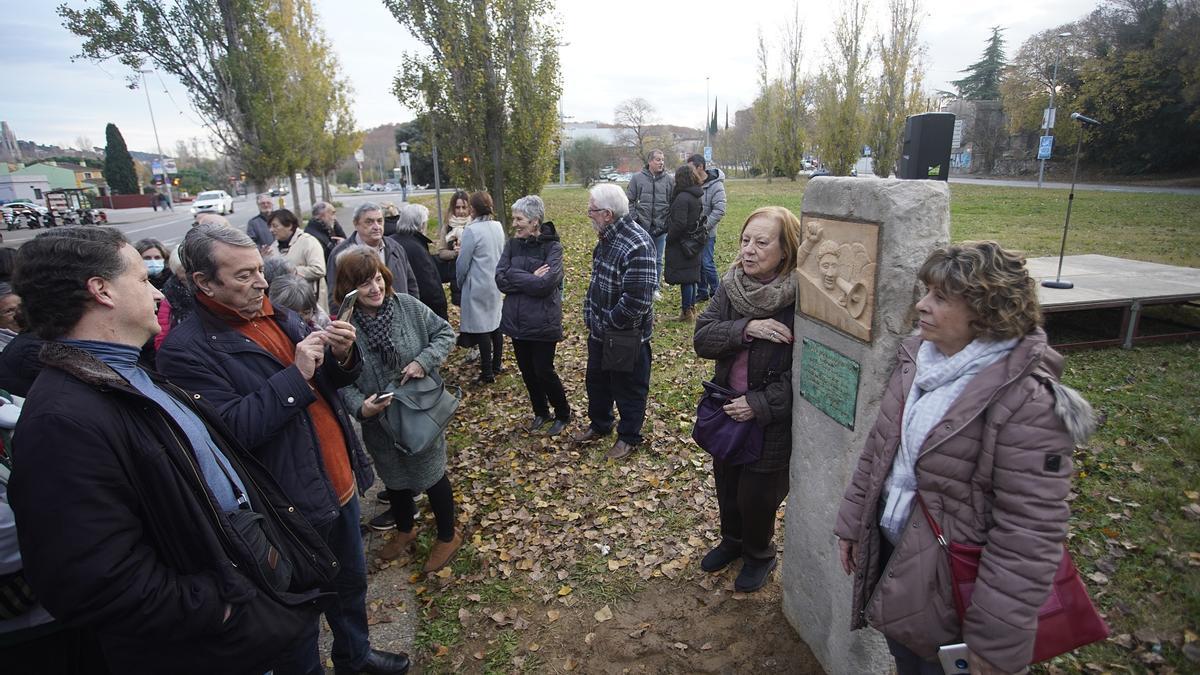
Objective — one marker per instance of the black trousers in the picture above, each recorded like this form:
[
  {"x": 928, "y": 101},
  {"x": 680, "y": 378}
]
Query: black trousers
[
  {"x": 441, "y": 502},
  {"x": 491, "y": 351},
  {"x": 627, "y": 390},
  {"x": 536, "y": 361},
  {"x": 748, "y": 501}
]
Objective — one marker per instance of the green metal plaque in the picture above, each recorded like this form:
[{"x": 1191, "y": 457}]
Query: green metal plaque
[{"x": 829, "y": 381}]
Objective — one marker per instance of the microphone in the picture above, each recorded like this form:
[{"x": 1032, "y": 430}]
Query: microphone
[{"x": 1085, "y": 120}]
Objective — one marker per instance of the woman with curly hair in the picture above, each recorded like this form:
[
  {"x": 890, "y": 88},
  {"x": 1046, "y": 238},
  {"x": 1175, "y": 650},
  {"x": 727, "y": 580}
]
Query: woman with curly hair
[{"x": 975, "y": 428}]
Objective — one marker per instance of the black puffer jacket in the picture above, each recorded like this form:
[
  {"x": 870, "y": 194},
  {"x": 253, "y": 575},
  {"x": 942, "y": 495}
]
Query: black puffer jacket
[
  {"x": 719, "y": 335},
  {"x": 429, "y": 282},
  {"x": 120, "y": 534},
  {"x": 678, "y": 266},
  {"x": 532, "y": 304}
]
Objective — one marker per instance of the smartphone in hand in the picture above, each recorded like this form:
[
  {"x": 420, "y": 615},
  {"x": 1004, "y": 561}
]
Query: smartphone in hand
[
  {"x": 383, "y": 396},
  {"x": 954, "y": 658},
  {"x": 347, "y": 307}
]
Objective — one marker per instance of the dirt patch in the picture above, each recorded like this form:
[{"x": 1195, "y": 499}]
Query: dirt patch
[{"x": 697, "y": 625}]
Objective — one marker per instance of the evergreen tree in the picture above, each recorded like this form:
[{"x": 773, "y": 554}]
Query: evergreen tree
[
  {"x": 712, "y": 125},
  {"x": 982, "y": 82},
  {"x": 118, "y": 164}
]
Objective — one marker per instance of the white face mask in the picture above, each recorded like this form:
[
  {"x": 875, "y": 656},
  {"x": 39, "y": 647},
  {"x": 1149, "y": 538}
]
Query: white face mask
[{"x": 155, "y": 267}]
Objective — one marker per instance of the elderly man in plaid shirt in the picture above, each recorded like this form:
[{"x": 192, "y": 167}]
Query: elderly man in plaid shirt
[{"x": 620, "y": 297}]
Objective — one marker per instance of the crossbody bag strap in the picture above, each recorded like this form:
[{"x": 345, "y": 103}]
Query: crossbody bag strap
[{"x": 937, "y": 531}]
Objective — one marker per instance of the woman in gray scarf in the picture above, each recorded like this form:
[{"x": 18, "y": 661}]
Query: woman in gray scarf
[{"x": 747, "y": 330}]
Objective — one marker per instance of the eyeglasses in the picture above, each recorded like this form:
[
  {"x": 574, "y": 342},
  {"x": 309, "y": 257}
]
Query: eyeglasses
[{"x": 591, "y": 210}]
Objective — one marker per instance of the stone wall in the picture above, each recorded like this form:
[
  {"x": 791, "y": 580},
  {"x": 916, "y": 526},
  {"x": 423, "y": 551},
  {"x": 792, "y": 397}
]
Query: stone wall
[{"x": 913, "y": 218}]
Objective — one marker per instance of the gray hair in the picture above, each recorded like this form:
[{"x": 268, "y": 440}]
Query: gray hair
[
  {"x": 294, "y": 293},
  {"x": 413, "y": 218},
  {"x": 532, "y": 207},
  {"x": 196, "y": 251},
  {"x": 611, "y": 198},
  {"x": 320, "y": 207},
  {"x": 276, "y": 266},
  {"x": 6, "y": 289},
  {"x": 263, "y": 196},
  {"x": 213, "y": 218},
  {"x": 363, "y": 208},
  {"x": 652, "y": 153}
]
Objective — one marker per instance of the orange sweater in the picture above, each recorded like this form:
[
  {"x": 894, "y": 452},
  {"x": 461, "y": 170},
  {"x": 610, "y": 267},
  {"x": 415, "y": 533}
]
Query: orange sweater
[{"x": 267, "y": 334}]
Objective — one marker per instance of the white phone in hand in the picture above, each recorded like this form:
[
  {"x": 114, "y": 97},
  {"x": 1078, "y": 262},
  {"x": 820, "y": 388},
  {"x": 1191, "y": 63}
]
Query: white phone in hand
[{"x": 954, "y": 658}]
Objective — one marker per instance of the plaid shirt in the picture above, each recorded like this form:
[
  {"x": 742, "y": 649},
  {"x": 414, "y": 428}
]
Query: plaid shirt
[{"x": 624, "y": 278}]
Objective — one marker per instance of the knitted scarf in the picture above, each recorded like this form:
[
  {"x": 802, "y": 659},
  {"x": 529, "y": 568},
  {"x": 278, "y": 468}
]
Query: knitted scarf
[
  {"x": 378, "y": 330},
  {"x": 756, "y": 300}
]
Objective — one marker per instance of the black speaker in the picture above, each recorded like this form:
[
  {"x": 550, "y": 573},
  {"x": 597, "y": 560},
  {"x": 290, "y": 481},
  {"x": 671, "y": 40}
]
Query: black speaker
[{"x": 926, "y": 152}]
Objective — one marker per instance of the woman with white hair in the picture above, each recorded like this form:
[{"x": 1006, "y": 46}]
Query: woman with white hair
[
  {"x": 410, "y": 233},
  {"x": 530, "y": 274}
]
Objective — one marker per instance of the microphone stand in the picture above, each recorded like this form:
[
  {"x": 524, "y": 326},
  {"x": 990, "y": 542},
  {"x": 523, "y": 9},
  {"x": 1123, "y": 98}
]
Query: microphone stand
[{"x": 1058, "y": 280}]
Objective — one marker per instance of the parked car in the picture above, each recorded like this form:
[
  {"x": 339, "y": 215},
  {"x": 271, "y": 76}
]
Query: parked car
[
  {"x": 42, "y": 211},
  {"x": 213, "y": 201},
  {"x": 279, "y": 191}
]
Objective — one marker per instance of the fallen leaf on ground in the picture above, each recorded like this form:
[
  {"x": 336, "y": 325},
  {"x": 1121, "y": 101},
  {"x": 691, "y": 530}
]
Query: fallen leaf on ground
[
  {"x": 553, "y": 615},
  {"x": 603, "y": 614},
  {"x": 1098, "y": 577}
]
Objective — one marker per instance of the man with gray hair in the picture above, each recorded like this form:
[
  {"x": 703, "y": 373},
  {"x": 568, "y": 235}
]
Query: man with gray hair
[
  {"x": 649, "y": 194},
  {"x": 324, "y": 226},
  {"x": 619, "y": 312},
  {"x": 368, "y": 231},
  {"x": 410, "y": 234},
  {"x": 275, "y": 385},
  {"x": 258, "y": 228}
]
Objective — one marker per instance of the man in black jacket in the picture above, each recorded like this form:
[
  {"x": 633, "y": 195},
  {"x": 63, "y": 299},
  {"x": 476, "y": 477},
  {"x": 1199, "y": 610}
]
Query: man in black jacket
[
  {"x": 134, "y": 502},
  {"x": 275, "y": 384},
  {"x": 324, "y": 226}
]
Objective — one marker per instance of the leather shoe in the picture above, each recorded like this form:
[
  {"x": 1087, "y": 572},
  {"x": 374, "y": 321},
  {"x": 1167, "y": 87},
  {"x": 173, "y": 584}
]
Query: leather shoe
[
  {"x": 619, "y": 450},
  {"x": 557, "y": 427},
  {"x": 537, "y": 423},
  {"x": 754, "y": 575},
  {"x": 400, "y": 544},
  {"x": 720, "y": 557},
  {"x": 588, "y": 435},
  {"x": 442, "y": 552},
  {"x": 379, "y": 663}
]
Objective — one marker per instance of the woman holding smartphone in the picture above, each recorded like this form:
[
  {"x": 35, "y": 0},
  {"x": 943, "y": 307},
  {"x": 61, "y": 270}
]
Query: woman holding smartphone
[{"x": 399, "y": 339}]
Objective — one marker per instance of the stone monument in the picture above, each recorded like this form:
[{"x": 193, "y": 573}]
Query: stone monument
[{"x": 864, "y": 240}]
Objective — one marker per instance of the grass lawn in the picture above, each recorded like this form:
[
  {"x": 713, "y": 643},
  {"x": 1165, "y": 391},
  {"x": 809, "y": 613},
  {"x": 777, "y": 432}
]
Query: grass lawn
[{"x": 556, "y": 529}]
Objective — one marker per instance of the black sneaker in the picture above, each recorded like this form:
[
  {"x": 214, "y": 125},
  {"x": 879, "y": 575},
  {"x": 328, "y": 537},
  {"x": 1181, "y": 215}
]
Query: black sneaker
[
  {"x": 720, "y": 557},
  {"x": 754, "y": 575},
  {"x": 383, "y": 522},
  {"x": 382, "y": 498}
]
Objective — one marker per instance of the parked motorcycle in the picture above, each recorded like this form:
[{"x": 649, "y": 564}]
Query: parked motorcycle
[{"x": 17, "y": 216}]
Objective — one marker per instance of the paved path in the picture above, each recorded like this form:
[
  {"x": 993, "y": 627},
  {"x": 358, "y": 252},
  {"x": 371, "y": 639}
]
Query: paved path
[{"x": 1002, "y": 182}]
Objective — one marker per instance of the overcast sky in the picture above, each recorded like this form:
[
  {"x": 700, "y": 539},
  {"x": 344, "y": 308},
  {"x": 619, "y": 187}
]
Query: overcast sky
[{"x": 614, "y": 51}]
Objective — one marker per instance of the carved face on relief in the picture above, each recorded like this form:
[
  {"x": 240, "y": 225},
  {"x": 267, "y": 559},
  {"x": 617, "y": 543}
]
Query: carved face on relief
[{"x": 829, "y": 271}]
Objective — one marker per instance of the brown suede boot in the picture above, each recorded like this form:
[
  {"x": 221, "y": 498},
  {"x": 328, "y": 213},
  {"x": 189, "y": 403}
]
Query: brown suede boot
[
  {"x": 400, "y": 544},
  {"x": 442, "y": 552},
  {"x": 688, "y": 315}
]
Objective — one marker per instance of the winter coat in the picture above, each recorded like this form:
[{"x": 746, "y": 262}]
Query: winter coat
[
  {"x": 994, "y": 471},
  {"x": 266, "y": 404},
  {"x": 720, "y": 335},
  {"x": 307, "y": 256},
  {"x": 678, "y": 266},
  {"x": 650, "y": 199},
  {"x": 620, "y": 294},
  {"x": 713, "y": 203},
  {"x": 418, "y": 335},
  {"x": 120, "y": 534},
  {"x": 482, "y": 244},
  {"x": 325, "y": 234},
  {"x": 429, "y": 282},
  {"x": 260, "y": 230},
  {"x": 404, "y": 280},
  {"x": 532, "y": 304},
  {"x": 20, "y": 364}
]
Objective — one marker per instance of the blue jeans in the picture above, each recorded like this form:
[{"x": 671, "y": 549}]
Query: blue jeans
[
  {"x": 688, "y": 295},
  {"x": 709, "y": 280},
  {"x": 660, "y": 245},
  {"x": 347, "y": 616},
  {"x": 627, "y": 390}
]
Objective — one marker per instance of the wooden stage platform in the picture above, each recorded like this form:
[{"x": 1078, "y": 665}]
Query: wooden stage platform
[{"x": 1124, "y": 287}]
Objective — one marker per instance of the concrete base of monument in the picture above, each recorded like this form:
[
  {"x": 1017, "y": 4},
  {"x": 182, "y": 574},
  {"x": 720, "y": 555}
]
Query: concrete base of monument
[{"x": 838, "y": 379}]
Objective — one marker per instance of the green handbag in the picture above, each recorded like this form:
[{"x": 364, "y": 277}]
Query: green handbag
[{"x": 420, "y": 412}]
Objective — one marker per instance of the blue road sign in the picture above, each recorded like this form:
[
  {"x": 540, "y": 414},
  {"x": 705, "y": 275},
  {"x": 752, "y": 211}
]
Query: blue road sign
[{"x": 1045, "y": 145}]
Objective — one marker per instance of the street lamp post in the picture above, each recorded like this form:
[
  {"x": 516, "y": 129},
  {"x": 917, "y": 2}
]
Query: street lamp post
[
  {"x": 562, "y": 142},
  {"x": 161, "y": 162},
  {"x": 707, "y": 127},
  {"x": 1048, "y": 122}
]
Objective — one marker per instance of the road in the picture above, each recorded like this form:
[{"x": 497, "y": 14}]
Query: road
[{"x": 169, "y": 227}]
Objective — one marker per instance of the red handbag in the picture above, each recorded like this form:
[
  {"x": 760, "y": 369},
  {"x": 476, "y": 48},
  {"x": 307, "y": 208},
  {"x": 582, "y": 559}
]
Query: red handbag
[{"x": 1066, "y": 621}]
